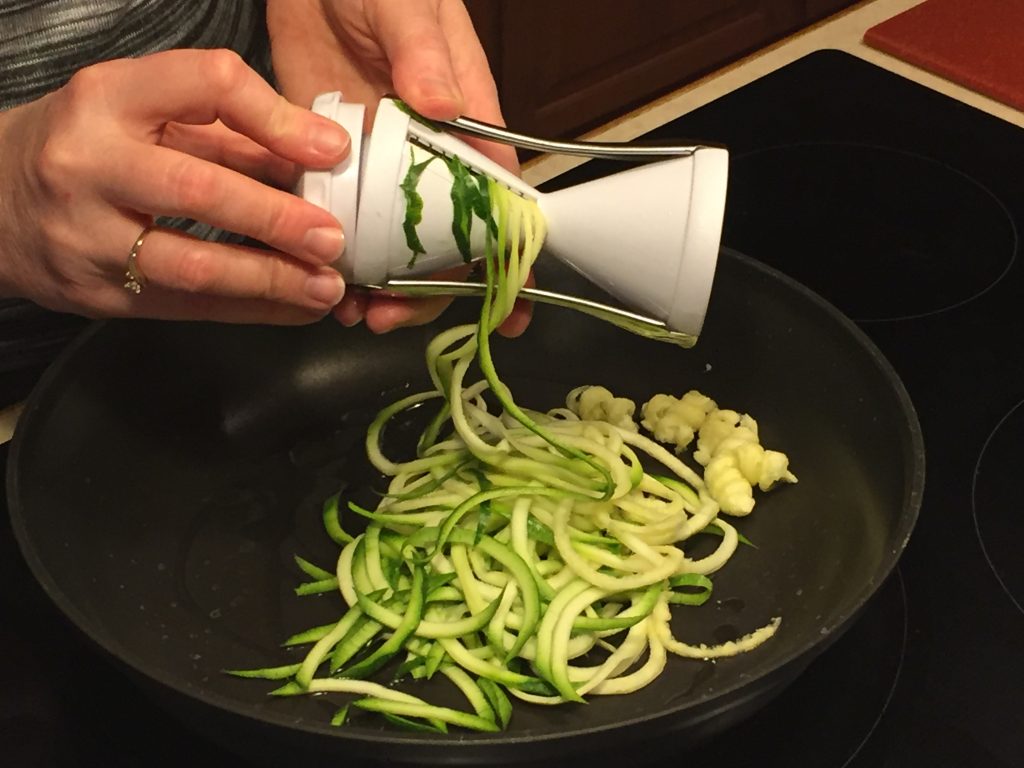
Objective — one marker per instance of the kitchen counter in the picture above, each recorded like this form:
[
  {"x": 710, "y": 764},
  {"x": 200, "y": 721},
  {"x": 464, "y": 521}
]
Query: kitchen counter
[{"x": 844, "y": 31}]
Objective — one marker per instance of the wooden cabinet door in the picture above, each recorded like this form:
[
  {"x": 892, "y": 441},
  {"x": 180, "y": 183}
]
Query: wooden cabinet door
[
  {"x": 565, "y": 65},
  {"x": 819, "y": 9}
]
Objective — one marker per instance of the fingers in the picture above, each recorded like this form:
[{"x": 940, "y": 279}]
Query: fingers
[
  {"x": 219, "y": 144},
  {"x": 476, "y": 82},
  {"x": 352, "y": 308},
  {"x": 384, "y": 313},
  {"x": 411, "y": 35},
  {"x": 473, "y": 73},
  {"x": 201, "y": 86},
  {"x": 93, "y": 163},
  {"x": 469, "y": 63},
  {"x": 522, "y": 312},
  {"x": 439, "y": 67},
  {"x": 189, "y": 279},
  {"x": 205, "y": 274},
  {"x": 177, "y": 184},
  {"x": 176, "y": 261},
  {"x": 260, "y": 131},
  {"x": 164, "y": 304}
]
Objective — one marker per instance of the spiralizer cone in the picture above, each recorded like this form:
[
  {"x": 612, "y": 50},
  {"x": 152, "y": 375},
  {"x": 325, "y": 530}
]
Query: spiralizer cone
[{"x": 648, "y": 235}]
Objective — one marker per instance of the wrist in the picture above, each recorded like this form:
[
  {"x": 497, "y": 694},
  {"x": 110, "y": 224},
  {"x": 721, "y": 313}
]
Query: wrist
[{"x": 14, "y": 214}]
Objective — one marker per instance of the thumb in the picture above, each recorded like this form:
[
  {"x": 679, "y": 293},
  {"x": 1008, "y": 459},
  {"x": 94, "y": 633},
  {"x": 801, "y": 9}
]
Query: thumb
[{"x": 415, "y": 44}]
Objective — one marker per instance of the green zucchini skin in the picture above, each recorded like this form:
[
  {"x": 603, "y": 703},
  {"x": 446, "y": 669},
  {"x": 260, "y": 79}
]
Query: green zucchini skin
[{"x": 517, "y": 554}]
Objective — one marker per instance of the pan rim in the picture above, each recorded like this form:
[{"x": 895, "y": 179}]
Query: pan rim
[{"x": 369, "y": 738}]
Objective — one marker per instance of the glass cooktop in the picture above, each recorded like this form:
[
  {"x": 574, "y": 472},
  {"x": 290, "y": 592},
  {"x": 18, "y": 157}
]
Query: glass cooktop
[{"x": 901, "y": 207}]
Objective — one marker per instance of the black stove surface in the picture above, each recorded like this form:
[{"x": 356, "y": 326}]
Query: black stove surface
[{"x": 901, "y": 207}]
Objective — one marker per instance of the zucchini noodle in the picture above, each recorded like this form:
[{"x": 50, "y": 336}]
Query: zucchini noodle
[{"x": 517, "y": 553}]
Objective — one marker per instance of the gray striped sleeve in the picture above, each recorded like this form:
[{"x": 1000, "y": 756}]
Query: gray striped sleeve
[{"x": 44, "y": 42}]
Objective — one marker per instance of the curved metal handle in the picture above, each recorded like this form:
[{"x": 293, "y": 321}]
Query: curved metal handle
[
  {"x": 608, "y": 150},
  {"x": 639, "y": 324}
]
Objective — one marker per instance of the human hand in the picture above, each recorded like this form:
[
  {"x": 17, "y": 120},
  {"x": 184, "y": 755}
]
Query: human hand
[
  {"x": 425, "y": 51},
  {"x": 185, "y": 133}
]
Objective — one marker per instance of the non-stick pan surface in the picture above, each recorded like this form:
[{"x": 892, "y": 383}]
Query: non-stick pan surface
[{"x": 164, "y": 475}]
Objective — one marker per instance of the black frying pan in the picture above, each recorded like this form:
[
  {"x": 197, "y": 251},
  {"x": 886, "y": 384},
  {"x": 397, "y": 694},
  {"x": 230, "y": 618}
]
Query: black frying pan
[{"x": 163, "y": 475}]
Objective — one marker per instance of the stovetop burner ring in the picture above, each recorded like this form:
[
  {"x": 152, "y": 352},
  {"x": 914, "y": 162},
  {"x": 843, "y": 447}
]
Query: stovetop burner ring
[
  {"x": 1000, "y": 495},
  {"x": 884, "y": 233}
]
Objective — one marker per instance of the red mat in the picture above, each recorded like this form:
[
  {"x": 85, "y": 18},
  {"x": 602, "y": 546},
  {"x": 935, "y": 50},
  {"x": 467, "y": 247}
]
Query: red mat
[{"x": 975, "y": 43}]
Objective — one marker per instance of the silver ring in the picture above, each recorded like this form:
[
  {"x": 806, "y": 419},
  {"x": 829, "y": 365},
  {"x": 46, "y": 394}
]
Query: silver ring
[{"x": 134, "y": 280}]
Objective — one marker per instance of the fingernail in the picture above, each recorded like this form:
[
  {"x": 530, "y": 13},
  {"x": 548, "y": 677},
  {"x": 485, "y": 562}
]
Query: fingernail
[
  {"x": 514, "y": 326},
  {"x": 351, "y": 310},
  {"x": 325, "y": 289},
  {"x": 439, "y": 88},
  {"x": 325, "y": 243},
  {"x": 352, "y": 316},
  {"x": 329, "y": 139}
]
